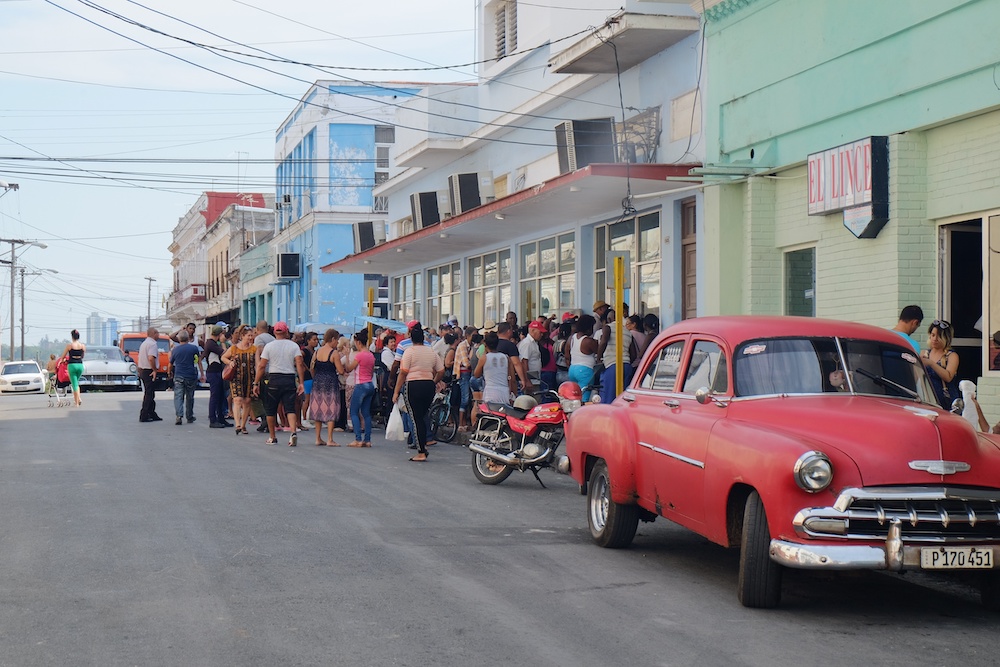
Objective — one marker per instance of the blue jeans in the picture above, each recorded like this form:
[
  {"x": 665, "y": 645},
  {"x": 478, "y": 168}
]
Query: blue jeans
[
  {"x": 361, "y": 407},
  {"x": 463, "y": 385},
  {"x": 608, "y": 388},
  {"x": 582, "y": 375},
  {"x": 184, "y": 396},
  {"x": 216, "y": 398}
]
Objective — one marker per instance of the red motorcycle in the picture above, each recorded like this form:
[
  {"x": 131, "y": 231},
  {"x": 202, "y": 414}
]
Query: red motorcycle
[{"x": 523, "y": 436}]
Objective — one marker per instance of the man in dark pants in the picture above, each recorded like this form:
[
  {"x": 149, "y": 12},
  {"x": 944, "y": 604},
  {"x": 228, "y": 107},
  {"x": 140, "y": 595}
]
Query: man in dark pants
[
  {"x": 216, "y": 390},
  {"x": 148, "y": 358}
]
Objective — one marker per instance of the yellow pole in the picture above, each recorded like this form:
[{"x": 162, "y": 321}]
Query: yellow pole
[
  {"x": 619, "y": 298},
  {"x": 371, "y": 311}
]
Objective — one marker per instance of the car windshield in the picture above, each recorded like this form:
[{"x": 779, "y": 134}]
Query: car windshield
[
  {"x": 23, "y": 367},
  {"x": 819, "y": 365},
  {"x": 132, "y": 344},
  {"x": 103, "y": 354}
]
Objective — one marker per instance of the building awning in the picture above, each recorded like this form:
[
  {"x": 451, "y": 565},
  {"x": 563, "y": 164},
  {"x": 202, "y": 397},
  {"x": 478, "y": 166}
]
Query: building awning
[
  {"x": 636, "y": 38},
  {"x": 591, "y": 191}
]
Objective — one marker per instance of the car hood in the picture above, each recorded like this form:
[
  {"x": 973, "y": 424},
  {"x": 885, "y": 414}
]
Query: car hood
[{"x": 892, "y": 442}]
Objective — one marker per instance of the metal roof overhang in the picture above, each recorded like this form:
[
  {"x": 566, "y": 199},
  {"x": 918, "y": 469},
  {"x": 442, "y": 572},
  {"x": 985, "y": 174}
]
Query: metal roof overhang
[
  {"x": 583, "y": 194},
  {"x": 636, "y": 38}
]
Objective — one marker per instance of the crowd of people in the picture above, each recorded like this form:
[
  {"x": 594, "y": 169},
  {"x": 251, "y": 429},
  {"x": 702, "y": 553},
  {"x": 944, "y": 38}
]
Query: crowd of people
[
  {"x": 326, "y": 382},
  {"x": 267, "y": 377}
]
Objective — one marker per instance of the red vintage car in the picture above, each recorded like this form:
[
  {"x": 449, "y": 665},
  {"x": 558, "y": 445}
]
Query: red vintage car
[{"x": 807, "y": 443}]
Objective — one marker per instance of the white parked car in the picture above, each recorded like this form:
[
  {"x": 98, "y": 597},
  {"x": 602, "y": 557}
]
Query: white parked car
[
  {"x": 21, "y": 376},
  {"x": 108, "y": 368}
]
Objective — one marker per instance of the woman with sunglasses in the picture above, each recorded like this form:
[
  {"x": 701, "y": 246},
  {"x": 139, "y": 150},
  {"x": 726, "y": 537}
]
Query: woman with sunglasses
[{"x": 941, "y": 362}]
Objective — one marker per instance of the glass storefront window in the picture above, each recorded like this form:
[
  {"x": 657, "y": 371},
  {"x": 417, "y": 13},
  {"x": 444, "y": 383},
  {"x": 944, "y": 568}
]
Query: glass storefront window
[
  {"x": 489, "y": 287},
  {"x": 406, "y": 297},
  {"x": 641, "y": 233},
  {"x": 552, "y": 286},
  {"x": 649, "y": 237}
]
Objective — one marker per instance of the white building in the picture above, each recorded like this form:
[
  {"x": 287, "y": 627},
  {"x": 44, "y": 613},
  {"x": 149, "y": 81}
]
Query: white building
[{"x": 576, "y": 142}]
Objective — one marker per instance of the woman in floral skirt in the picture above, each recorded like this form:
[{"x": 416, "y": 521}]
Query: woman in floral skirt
[{"x": 324, "y": 402}]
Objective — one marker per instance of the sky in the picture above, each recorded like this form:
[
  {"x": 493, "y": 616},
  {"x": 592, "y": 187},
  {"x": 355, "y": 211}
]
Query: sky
[{"x": 115, "y": 115}]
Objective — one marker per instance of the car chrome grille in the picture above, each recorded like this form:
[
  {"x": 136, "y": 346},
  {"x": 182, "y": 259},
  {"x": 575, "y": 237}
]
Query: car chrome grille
[
  {"x": 925, "y": 514},
  {"x": 960, "y": 519}
]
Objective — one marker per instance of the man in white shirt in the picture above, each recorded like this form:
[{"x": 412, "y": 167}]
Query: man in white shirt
[
  {"x": 147, "y": 360},
  {"x": 531, "y": 356},
  {"x": 282, "y": 361}
]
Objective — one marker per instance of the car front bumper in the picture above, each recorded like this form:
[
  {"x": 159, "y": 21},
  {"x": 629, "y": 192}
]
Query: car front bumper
[
  {"x": 109, "y": 382},
  {"x": 893, "y": 555}
]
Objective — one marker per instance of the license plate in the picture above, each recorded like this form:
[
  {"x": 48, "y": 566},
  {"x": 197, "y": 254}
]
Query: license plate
[{"x": 956, "y": 558}]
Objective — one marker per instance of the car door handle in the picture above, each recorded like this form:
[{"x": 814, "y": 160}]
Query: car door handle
[
  {"x": 628, "y": 398},
  {"x": 671, "y": 403}
]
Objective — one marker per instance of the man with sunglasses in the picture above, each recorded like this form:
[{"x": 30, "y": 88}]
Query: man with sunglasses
[{"x": 909, "y": 321}]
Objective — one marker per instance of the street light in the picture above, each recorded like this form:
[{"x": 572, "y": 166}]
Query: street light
[
  {"x": 23, "y": 274},
  {"x": 13, "y": 265}
]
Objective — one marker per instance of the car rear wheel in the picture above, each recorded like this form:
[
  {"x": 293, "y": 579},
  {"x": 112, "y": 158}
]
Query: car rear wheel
[
  {"x": 760, "y": 577},
  {"x": 612, "y": 525}
]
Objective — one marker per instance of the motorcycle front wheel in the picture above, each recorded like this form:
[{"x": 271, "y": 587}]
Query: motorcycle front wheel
[{"x": 489, "y": 471}]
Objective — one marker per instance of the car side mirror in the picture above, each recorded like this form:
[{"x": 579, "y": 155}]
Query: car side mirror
[{"x": 705, "y": 395}]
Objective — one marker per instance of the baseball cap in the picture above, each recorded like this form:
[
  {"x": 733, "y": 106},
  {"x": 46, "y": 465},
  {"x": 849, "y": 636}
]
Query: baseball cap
[
  {"x": 488, "y": 326},
  {"x": 222, "y": 324},
  {"x": 600, "y": 303},
  {"x": 535, "y": 324},
  {"x": 281, "y": 326},
  {"x": 452, "y": 320},
  {"x": 412, "y": 323},
  {"x": 216, "y": 330},
  {"x": 568, "y": 316}
]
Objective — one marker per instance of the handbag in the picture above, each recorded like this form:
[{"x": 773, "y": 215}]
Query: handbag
[
  {"x": 229, "y": 372},
  {"x": 394, "y": 427}
]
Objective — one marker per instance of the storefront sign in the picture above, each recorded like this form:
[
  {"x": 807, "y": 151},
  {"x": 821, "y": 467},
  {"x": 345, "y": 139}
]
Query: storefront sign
[{"x": 853, "y": 178}]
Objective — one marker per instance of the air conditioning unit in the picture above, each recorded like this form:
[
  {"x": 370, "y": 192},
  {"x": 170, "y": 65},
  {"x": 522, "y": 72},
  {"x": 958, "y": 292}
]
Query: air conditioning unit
[
  {"x": 583, "y": 142},
  {"x": 429, "y": 208},
  {"x": 289, "y": 265},
  {"x": 369, "y": 234},
  {"x": 467, "y": 191},
  {"x": 408, "y": 226}
]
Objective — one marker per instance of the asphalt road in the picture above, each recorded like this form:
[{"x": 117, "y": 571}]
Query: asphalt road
[{"x": 152, "y": 544}]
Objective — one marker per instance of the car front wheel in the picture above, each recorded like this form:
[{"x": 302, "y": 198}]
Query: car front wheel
[
  {"x": 612, "y": 525},
  {"x": 760, "y": 577}
]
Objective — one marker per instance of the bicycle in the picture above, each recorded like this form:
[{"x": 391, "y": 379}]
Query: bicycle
[{"x": 442, "y": 419}]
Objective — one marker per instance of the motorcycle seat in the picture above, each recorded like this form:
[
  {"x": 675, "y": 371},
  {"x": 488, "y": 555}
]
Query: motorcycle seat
[{"x": 503, "y": 408}]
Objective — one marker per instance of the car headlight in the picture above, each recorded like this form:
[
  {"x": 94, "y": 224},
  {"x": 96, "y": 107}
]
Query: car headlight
[
  {"x": 813, "y": 472},
  {"x": 132, "y": 369}
]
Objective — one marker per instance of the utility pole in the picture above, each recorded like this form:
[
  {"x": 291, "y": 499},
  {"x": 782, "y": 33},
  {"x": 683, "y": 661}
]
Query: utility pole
[
  {"x": 23, "y": 274},
  {"x": 13, "y": 275},
  {"x": 149, "y": 301}
]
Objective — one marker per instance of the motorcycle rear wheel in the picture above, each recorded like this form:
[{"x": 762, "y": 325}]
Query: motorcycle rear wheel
[{"x": 489, "y": 471}]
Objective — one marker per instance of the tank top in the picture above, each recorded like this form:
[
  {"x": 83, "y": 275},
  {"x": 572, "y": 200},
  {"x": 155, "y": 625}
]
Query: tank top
[
  {"x": 609, "y": 351},
  {"x": 366, "y": 366},
  {"x": 495, "y": 372},
  {"x": 75, "y": 356},
  {"x": 576, "y": 352}
]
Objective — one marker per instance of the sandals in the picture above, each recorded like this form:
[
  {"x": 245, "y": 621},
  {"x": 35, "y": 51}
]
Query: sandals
[
  {"x": 294, "y": 440},
  {"x": 321, "y": 444},
  {"x": 366, "y": 443},
  {"x": 419, "y": 458},
  {"x": 271, "y": 441},
  {"x": 356, "y": 443},
  {"x": 333, "y": 444}
]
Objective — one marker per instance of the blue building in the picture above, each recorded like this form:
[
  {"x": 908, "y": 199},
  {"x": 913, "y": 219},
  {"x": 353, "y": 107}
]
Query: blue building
[{"x": 331, "y": 153}]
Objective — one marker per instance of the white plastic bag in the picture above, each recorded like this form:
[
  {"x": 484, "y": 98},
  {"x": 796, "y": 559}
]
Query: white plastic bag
[{"x": 394, "y": 427}]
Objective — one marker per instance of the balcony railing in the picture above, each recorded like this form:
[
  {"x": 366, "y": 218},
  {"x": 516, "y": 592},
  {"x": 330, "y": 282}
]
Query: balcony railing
[{"x": 189, "y": 294}]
